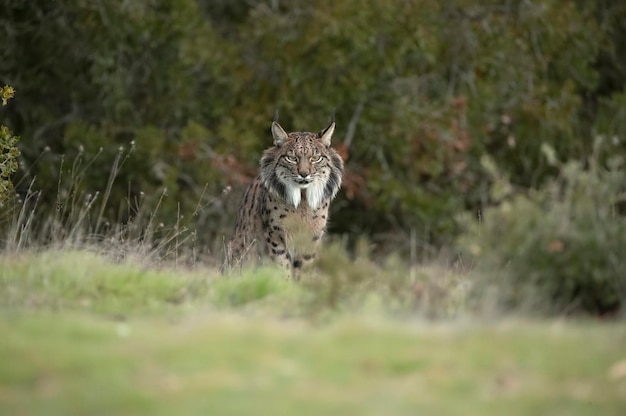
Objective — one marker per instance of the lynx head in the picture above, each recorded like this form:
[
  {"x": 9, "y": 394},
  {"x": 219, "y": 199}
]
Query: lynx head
[{"x": 302, "y": 162}]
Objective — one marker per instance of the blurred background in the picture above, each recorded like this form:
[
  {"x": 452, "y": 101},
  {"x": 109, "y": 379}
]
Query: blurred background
[{"x": 444, "y": 110}]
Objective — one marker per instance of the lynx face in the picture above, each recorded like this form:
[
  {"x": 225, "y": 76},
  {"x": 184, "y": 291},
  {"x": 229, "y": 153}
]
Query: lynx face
[{"x": 302, "y": 162}]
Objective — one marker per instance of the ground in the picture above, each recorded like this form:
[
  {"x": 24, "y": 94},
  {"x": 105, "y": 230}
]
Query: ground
[{"x": 84, "y": 335}]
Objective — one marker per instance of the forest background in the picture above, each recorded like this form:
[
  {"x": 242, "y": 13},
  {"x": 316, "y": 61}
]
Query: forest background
[{"x": 448, "y": 114}]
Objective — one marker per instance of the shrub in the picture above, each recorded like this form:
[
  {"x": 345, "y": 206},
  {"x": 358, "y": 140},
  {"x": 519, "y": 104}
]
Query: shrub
[
  {"x": 422, "y": 89},
  {"x": 559, "y": 249},
  {"x": 360, "y": 284},
  {"x": 8, "y": 151}
]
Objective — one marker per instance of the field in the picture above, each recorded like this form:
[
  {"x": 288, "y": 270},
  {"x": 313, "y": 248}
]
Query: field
[{"x": 83, "y": 334}]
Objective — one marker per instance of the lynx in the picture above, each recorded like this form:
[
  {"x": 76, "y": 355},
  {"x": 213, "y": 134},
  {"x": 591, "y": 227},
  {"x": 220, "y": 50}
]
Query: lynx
[{"x": 284, "y": 210}]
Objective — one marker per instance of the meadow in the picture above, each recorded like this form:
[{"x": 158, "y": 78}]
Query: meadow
[{"x": 88, "y": 333}]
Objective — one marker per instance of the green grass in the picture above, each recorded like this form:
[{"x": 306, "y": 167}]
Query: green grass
[{"x": 82, "y": 335}]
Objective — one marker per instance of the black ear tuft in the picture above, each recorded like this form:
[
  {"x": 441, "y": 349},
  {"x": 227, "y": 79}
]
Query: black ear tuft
[
  {"x": 276, "y": 116},
  {"x": 332, "y": 121},
  {"x": 326, "y": 134}
]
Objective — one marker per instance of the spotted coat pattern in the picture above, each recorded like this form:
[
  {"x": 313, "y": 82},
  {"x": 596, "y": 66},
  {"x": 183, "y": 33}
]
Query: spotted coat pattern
[{"x": 284, "y": 211}]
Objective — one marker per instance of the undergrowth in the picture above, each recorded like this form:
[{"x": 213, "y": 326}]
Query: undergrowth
[
  {"x": 557, "y": 250},
  {"x": 57, "y": 280},
  {"x": 83, "y": 218},
  {"x": 79, "y": 256}
]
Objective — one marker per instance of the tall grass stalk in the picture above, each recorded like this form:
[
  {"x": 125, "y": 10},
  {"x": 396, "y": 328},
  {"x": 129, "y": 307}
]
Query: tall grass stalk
[{"x": 78, "y": 220}]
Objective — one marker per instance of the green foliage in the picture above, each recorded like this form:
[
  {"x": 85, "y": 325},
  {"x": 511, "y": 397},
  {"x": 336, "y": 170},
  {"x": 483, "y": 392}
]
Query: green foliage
[
  {"x": 80, "y": 280},
  {"x": 611, "y": 120},
  {"x": 341, "y": 282},
  {"x": 251, "y": 286},
  {"x": 126, "y": 279},
  {"x": 6, "y": 93},
  {"x": 422, "y": 91},
  {"x": 107, "y": 75},
  {"x": 558, "y": 249},
  {"x": 8, "y": 151},
  {"x": 8, "y": 162},
  {"x": 438, "y": 86}
]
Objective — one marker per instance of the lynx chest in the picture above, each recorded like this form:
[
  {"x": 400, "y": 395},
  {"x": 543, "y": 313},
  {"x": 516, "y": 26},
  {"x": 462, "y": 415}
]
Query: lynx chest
[{"x": 299, "y": 227}]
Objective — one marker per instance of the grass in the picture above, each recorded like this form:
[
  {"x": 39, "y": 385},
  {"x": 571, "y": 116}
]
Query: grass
[{"x": 82, "y": 334}]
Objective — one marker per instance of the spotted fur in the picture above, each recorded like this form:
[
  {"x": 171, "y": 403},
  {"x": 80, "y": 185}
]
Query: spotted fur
[{"x": 284, "y": 211}]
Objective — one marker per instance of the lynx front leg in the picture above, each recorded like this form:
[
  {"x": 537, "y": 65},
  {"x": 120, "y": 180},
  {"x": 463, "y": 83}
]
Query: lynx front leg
[
  {"x": 300, "y": 262},
  {"x": 309, "y": 246},
  {"x": 277, "y": 249},
  {"x": 280, "y": 253}
]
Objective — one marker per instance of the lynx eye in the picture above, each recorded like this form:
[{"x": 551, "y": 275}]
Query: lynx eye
[
  {"x": 316, "y": 159},
  {"x": 291, "y": 159}
]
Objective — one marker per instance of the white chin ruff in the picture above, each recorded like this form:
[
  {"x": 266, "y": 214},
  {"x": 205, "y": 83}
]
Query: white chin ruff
[
  {"x": 314, "y": 194},
  {"x": 293, "y": 194}
]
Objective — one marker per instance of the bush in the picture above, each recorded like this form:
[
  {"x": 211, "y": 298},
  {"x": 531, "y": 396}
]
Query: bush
[
  {"x": 422, "y": 89},
  {"x": 8, "y": 151},
  {"x": 95, "y": 78},
  {"x": 559, "y": 249},
  {"x": 359, "y": 284}
]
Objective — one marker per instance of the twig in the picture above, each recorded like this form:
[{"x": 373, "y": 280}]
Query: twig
[{"x": 353, "y": 122}]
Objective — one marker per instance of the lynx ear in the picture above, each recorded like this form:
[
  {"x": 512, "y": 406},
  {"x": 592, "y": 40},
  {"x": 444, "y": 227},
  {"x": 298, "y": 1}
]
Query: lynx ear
[
  {"x": 279, "y": 134},
  {"x": 327, "y": 133}
]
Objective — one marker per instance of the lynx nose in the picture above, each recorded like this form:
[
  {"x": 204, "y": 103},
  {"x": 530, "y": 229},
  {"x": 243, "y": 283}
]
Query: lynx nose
[{"x": 304, "y": 177}]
